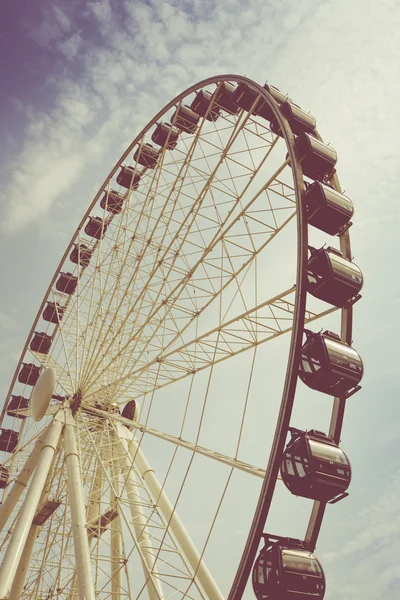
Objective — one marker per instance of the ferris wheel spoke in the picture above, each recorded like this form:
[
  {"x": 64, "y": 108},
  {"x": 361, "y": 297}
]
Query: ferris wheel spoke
[
  {"x": 94, "y": 294},
  {"x": 180, "y": 442},
  {"x": 253, "y": 327},
  {"x": 100, "y": 277},
  {"x": 173, "y": 194},
  {"x": 63, "y": 378},
  {"x": 170, "y": 303},
  {"x": 196, "y": 202},
  {"x": 216, "y": 346},
  {"x": 123, "y": 249}
]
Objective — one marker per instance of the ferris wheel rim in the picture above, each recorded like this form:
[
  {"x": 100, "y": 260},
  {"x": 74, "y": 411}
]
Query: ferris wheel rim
[
  {"x": 300, "y": 308},
  {"x": 193, "y": 88}
]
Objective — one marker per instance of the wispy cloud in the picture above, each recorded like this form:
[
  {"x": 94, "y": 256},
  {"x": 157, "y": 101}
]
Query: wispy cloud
[
  {"x": 365, "y": 567},
  {"x": 55, "y": 25},
  {"x": 158, "y": 50},
  {"x": 108, "y": 66}
]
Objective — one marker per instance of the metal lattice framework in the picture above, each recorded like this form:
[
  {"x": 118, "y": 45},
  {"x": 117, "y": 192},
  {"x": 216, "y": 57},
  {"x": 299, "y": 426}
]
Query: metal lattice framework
[{"x": 205, "y": 263}]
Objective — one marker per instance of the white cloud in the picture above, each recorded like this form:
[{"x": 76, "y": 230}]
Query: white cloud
[
  {"x": 364, "y": 566},
  {"x": 101, "y": 10},
  {"x": 166, "y": 47},
  {"x": 71, "y": 46},
  {"x": 55, "y": 24},
  {"x": 338, "y": 59}
]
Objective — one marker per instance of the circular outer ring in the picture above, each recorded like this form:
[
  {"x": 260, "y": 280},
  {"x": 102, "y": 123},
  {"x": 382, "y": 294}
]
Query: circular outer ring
[{"x": 288, "y": 395}]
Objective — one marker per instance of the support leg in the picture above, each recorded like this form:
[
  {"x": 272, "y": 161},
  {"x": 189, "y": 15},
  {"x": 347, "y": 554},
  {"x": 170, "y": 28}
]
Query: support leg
[
  {"x": 23, "y": 566},
  {"x": 28, "y": 510},
  {"x": 21, "y": 482},
  {"x": 19, "y": 581},
  {"x": 143, "y": 539},
  {"x": 78, "y": 515},
  {"x": 160, "y": 498},
  {"x": 116, "y": 541},
  {"x": 93, "y": 513}
]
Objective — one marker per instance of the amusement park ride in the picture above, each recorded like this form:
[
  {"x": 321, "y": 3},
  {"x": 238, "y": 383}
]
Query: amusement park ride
[{"x": 164, "y": 283}]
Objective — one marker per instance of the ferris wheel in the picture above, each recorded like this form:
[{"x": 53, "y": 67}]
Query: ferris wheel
[{"x": 131, "y": 459}]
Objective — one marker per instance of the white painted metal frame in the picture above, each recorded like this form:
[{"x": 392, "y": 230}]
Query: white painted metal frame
[{"x": 124, "y": 335}]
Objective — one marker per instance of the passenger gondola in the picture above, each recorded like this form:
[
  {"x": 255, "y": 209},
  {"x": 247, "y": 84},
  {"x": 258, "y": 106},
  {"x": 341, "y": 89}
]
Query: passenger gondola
[
  {"x": 96, "y": 227},
  {"x": 128, "y": 178},
  {"x": 317, "y": 159},
  {"x": 299, "y": 121},
  {"x": 81, "y": 255},
  {"x": 8, "y": 440},
  {"x": 223, "y": 97},
  {"x": 146, "y": 156},
  {"x": 286, "y": 570},
  {"x": 327, "y": 209},
  {"x": 263, "y": 110},
  {"x": 246, "y": 98},
  {"x": 113, "y": 201},
  {"x": 41, "y": 342},
  {"x": 166, "y": 135},
  {"x": 185, "y": 119},
  {"x": 67, "y": 283},
  {"x": 53, "y": 313},
  {"x": 313, "y": 466},
  {"x": 202, "y": 106},
  {"x": 29, "y": 374},
  {"x": 329, "y": 365},
  {"x": 18, "y": 407},
  {"x": 333, "y": 278}
]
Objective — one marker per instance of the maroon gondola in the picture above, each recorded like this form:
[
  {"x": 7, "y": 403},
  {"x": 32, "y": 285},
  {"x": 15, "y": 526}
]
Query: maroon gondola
[
  {"x": 329, "y": 365},
  {"x": 8, "y": 440},
  {"x": 112, "y": 201},
  {"x": 203, "y": 105},
  {"x": 317, "y": 159},
  {"x": 129, "y": 178},
  {"x": 17, "y": 407},
  {"x": 223, "y": 98},
  {"x": 314, "y": 466},
  {"x": 333, "y": 278},
  {"x": 67, "y": 283},
  {"x": 96, "y": 227},
  {"x": 53, "y": 313},
  {"x": 81, "y": 255},
  {"x": 165, "y": 135},
  {"x": 327, "y": 209},
  {"x": 146, "y": 156},
  {"x": 286, "y": 570},
  {"x": 29, "y": 374},
  {"x": 41, "y": 342},
  {"x": 185, "y": 119}
]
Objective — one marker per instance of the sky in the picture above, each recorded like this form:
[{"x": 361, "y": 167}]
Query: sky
[{"x": 79, "y": 80}]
